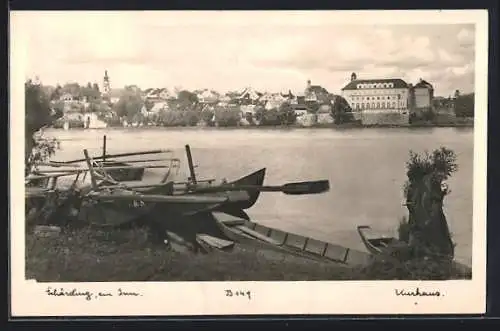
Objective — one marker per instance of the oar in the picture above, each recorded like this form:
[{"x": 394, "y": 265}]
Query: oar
[
  {"x": 311, "y": 187},
  {"x": 55, "y": 173},
  {"x": 146, "y": 160},
  {"x": 57, "y": 165},
  {"x": 111, "y": 156},
  {"x": 105, "y": 168}
]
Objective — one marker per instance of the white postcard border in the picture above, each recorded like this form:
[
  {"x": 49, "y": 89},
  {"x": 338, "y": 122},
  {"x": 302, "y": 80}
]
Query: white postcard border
[{"x": 208, "y": 298}]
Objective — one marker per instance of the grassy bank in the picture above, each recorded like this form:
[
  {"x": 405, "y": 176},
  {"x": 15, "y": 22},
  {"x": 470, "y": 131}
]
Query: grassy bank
[{"x": 88, "y": 255}]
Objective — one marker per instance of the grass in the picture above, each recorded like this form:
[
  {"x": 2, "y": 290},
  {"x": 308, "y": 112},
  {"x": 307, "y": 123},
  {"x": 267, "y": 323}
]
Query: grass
[{"x": 89, "y": 255}]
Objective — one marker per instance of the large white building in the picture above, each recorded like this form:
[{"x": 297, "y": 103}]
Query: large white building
[{"x": 377, "y": 95}]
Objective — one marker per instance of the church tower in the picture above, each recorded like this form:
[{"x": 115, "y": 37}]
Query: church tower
[{"x": 106, "y": 88}]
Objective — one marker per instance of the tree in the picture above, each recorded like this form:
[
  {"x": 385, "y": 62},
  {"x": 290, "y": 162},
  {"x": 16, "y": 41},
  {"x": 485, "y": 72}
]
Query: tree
[
  {"x": 57, "y": 93},
  {"x": 287, "y": 114},
  {"x": 38, "y": 114},
  {"x": 428, "y": 233},
  {"x": 72, "y": 88},
  {"x": 268, "y": 117},
  {"x": 341, "y": 110},
  {"x": 187, "y": 99},
  {"x": 129, "y": 104},
  {"x": 464, "y": 105}
]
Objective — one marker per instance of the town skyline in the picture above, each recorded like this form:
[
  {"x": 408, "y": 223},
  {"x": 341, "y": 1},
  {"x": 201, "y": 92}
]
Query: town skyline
[{"x": 231, "y": 55}]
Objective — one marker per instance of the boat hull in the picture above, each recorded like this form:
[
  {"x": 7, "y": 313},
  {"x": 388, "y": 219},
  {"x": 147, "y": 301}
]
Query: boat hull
[
  {"x": 250, "y": 233},
  {"x": 234, "y": 203},
  {"x": 117, "y": 212}
]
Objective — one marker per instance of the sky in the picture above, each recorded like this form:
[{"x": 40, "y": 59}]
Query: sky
[{"x": 227, "y": 52}]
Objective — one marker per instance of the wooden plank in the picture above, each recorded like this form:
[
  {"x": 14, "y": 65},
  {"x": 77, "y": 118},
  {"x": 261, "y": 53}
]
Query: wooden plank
[
  {"x": 336, "y": 253},
  {"x": 214, "y": 241},
  {"x": 278, "y": 236},
  {"x": 295, "y": 241},
  {"x": 315, "y": 246},
  {"x": 257, "y": 235},
  {"x": 262, "y": 229},
  {"x": 228, "y": 219}
]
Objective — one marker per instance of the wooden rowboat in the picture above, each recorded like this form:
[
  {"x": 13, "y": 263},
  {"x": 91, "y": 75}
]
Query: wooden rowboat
[
  {"x": 246, "y": 232},
  {"x": 378, "y": 244}
]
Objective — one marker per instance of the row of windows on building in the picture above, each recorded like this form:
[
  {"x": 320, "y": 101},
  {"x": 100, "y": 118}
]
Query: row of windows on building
[
  {"x": 394, "y": 97},
  {"x": 375, "y": 85},
  {"x": 375, "y": 105}
]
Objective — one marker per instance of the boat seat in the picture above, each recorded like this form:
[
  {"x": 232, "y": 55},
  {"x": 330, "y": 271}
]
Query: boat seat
[
  {"x": 214, "y": 241},
  {"x": 228, "y": 219}
]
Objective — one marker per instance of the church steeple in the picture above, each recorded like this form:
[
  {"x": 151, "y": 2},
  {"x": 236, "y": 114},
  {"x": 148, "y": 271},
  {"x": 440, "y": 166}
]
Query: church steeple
[{"x": 106, "y": 86}]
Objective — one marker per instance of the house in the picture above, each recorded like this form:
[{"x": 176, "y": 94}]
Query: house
[
  {"x": 146, "y": 92},
  {"x": 315, "y": 93},
  {"x": 67, "y": 97},
  {"x": 207, "y": 96},
  {"x": 288, "y": 95},
  {"x": 224, "y": 100},
  {"x": 248, "y": 97},
  {"x": 153, "y": 94},
  {"x": 165, "y": 94},
  {"x": 324, "y": 115},
  {"x": 274, "y": 100},
  {"x": 303, "y": 116},
  {"x": 422, "y": 95},
  {"x": 158, "y": 107},
  {"x": 248, "y": 109}
]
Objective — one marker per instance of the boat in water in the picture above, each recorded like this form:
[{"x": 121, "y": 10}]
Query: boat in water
[{"x": 377, "y": 244}]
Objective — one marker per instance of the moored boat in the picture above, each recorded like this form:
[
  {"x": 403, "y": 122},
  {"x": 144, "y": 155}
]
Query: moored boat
[
  {"x": 244, "y": 231},
  {"x": 377, "y": 244}
]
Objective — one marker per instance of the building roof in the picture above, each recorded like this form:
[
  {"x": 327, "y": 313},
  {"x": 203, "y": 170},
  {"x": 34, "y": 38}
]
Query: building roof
[
  {"x": 397, "y": 82},
  {"x": 251, "y": 93},
  {"x": 317, "y": 89},
  {"x": 423, "y": 84}
]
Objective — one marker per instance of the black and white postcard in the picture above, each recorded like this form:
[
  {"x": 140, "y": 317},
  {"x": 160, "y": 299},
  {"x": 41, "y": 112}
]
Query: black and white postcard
[{"x": 232, "y": 162}]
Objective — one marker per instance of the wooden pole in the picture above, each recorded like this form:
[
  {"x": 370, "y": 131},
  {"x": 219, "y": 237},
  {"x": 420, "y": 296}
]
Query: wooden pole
[
  {"x": 104, "y": 149},
  {"x": 191, "y": 165},
  {"x": 91, "y": 169}
]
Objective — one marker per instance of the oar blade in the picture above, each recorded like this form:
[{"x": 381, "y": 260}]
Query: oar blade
[{"x": 313, "y": 187}]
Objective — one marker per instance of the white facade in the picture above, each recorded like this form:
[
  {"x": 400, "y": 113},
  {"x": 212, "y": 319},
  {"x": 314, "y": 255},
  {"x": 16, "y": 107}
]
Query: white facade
[
  {"x": 377, "y": 98},
  {"x": 208, "y": 96}
]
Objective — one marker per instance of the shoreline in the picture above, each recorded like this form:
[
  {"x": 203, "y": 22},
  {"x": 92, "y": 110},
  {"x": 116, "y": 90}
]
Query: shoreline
[
  {"x": 86, "y": 254},
  {"x": 281, "y": 127}
]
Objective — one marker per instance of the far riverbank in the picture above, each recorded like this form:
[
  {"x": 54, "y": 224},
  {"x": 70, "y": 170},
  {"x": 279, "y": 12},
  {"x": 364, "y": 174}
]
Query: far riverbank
[{"x": 458, "y": 124}]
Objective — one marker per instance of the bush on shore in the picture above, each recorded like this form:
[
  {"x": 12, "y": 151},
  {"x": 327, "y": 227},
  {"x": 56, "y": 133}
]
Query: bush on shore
[{"x": 227, "y": 117}]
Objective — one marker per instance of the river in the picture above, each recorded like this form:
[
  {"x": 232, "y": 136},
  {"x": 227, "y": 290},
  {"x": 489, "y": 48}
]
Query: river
[{"x": 366, "y": 169}]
